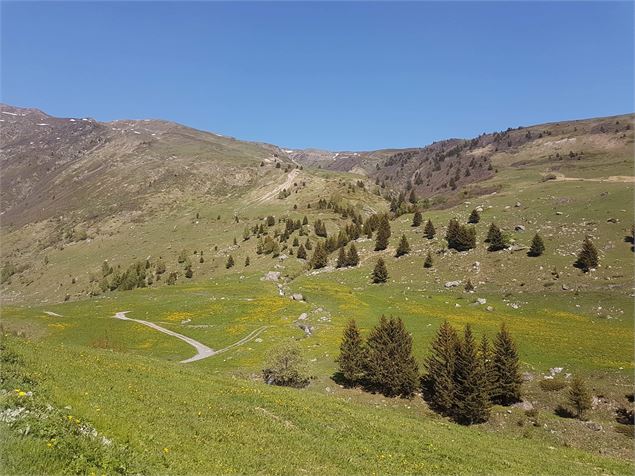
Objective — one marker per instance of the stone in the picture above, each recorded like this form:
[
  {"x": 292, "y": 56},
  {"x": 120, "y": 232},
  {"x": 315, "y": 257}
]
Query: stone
[
  {"x": 517, "y": 205},
  {"x": 490, "y": 308},
  {"x": 594, "y": 426},
  {"x": 519, "y": 228},
  {"x": 481, "y": 301},
  {"x": 452, "y": 284},
  {"x": 558, "y": 213},
  {"x": 307, "y": 328},
  {"x": 303, "y": 316},
  {"x": 272, "y": 276},
  {"x": 524, "y": 405},
  {"x": 297, "y": 297},
  {"x": 527, "y": 376}
]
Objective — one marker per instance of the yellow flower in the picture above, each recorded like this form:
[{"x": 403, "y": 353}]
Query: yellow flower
[{"x": 166, "y": 450}]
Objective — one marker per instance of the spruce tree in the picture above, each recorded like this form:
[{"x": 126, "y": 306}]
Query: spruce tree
[
  {"x": 472, "y": 400},
  {"x": 230, "y": 262},
  {"x": 383, "y": 234},
  {"x": 428, "y": 262},
  {"x": 440, "y": 368},
  {"x": 390, "y": 366},
  {"x": 429, "y": 230},
  {"x": 588, "y": 256},
  {"x": 474, "y": 217},
  {"x": 320, "y": 256},
  {"x": 537, "y": 246},
  {"x": 497, "y": 241},
  {"x": 352, "y": 355},
  {"x": 301, "y": 252},
  {"x": 417, "y": 219},
  {"x": 403, "y": 248},
  {"x": 579, "y": 397},
  {"x": 490, "y": 232},
  {"x": 380, "y": 273},
  {"x": 452, "y": 232},
  {"x": 506, "y": 375},
  {"x": 247, "y": 261},
  {"x": 341, "y": 259},
  {"x": 352, "y": 258}
]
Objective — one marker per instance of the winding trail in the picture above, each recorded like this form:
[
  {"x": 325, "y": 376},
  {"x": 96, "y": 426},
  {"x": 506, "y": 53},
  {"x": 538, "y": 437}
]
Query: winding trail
[
  {"x": 271, "y": 194},
  {"x": 202, "y": 351}
]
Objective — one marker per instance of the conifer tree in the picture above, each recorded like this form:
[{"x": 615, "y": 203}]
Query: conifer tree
[
  {"x": 460, "y": 237},
  {"x": 390, "y": 366},
  {"x": 472, "y": 401},
  {"x": 440, "y": 368},
  {"x": 352, "y": 258},
  {"x": 429, "y": 230},
  {"x": 301, "y": 252},
  {"x": 380, "y": 273},
  {"x": 588, "y": 256},
  {"x": 452, "y": 231},
  {"x": 497, "y": 241},
  {"x": 403, "y": 248},
  {"x": 320, "y": 256},
  {"x": 579, "y": 397},
  {"x": 230, "y": 262},
  {"x": 352, "y": 355},
  {"x": 537, "y": 246},
  {"x": 247, "y": 261},
  {"x": 506, "y": 375},
  {"x": 475, "y": 217},
  {"x": 490, "y": 232},
  {"x": 428, "y": 262},
  {"x": 341, "y": 259},
  {"x": 383, "y": 233},
  {"x": 417, "y": 219},
  {"x": 188, "y": 272}
]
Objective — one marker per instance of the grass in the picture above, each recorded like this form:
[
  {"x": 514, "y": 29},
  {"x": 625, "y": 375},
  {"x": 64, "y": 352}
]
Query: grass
[{"x": 183, "y": 419}]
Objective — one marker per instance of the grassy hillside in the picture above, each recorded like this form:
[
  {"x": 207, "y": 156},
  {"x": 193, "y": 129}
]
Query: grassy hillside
[{"x": 565, "y": 181}]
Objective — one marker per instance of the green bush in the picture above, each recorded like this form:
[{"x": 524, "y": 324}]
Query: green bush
[
  {"x": 286, "y": 365},
  {"x": 553, "y": 385}
]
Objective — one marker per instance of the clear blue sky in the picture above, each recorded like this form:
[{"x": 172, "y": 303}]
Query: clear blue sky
[{"x": 340, "y": 76}]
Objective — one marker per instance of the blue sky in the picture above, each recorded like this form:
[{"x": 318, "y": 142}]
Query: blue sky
[{"x": 339, "y": 76}]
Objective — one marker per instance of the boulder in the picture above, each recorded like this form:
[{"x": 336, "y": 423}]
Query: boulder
[
  {"x": 452, "y": 284},
  {"x": 519, "y": 228},
  {"x": 517, "y": 205},
  {"x": 481, "y": 301},
  {"x": 303, "y": 316},
  {"x": 272, "y": 276},
  {"x": 297, "y": 297},
  {"x": 524, "y": 405},
  {"x": 307, "y": 328}
]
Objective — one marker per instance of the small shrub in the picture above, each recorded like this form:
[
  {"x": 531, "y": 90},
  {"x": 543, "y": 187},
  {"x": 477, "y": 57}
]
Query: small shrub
[
  {"x": 286, "y": 365},
  {"x": 553, "y": 385}
]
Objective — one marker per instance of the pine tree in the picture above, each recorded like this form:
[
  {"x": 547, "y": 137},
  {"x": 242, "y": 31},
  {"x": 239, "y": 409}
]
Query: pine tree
[
  {"x": 320, "y": 257},
  {"x": 452, "y": 232},
  {"x": 417, "y": 219},
  {"x": 341, "y": 259},
  {"x": 497, "y": 241},
  {"x": 460, "y": 237},
  {"x": 588, "y": 256},
  {"x": 403, "y": 248},
  {"x": 579, "y": 398},
  {"x": 383, "y": 234},
  {"x": 440, "y": 368},
  {"x": 188, "y": 272},
  {"x": 428, "y": 262},
  {"x": 352, "y": 355},
  {"x": 301, "y": 252},
  {"x": 469, "y": 287},
  {"x": 352, "y": 258},
  {"x": 507, "y": 379},
  {"x": 247, "y": 261},
  {"x": 475, "y": 217},
  {"x": 472, "y": 400},
  {"x": 537, "y": 246},
  {"x": 380, "y": 273},
  {"x": 230, "y": 262},
  {"x": 429, "y": 230},
  {"x": 390, "y": 366},
  {"x": 490, "y": 232}
]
